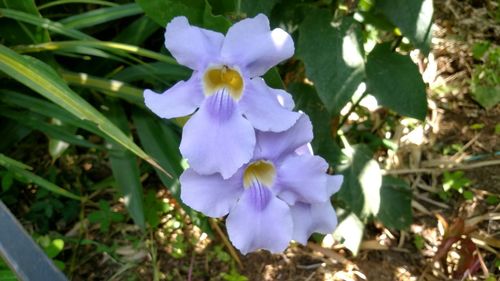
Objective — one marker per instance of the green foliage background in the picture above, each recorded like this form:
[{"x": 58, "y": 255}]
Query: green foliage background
[{"x": 74, "y": 70}]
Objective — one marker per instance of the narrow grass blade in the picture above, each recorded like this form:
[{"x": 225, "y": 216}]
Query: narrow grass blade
[
  {"x": 44, "y": 23},
  {"x": 35, "y": 122},
  {"x": 20, "y": 170},
  {"x": 44, "y": 80},
  {"x": 101, "y": 15},
  {"x": 126, "y": 170},
  {"x": 63, "y": 2},
  {"x": 112, "y": 88},
  {"x": 103, "y": 45}
]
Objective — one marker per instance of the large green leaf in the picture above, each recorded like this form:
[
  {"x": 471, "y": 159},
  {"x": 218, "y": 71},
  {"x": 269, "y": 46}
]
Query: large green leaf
[
  {"x": 332, "y": 53},
  {"x": 362, "y": 182},
  {"x": 160, "y": 72},
  {"x": 20, "y": 170},
  {"x": 45, "y": 81},
  {"x": 349, "y": 231},
  {"x": 254, "y": 7},
  {"x": 395, "y": 203},
  {"x": 125, "y": 169},
  {"x": 413, "y": 17},
  {"x": 307, "y": 100},
  {"x": 395, "y": 81},
  {"x": 102, "y": 15},
  {"x": 198, "y": 13}
]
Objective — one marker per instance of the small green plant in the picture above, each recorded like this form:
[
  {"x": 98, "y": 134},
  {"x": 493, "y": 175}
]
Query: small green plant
[
  {"x": 458, "y": 182},
  {"x": 419, "y": 242},
  {"x": 105, "y": 216},
  {"x": 52, "y": 248},
  {"x": 485, "y": 82}
]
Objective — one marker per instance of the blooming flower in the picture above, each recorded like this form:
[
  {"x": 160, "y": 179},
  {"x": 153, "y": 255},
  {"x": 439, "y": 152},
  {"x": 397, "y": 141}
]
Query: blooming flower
[
  {"x": 280, "y": 195},
  {"x": 225, "y": 85}
]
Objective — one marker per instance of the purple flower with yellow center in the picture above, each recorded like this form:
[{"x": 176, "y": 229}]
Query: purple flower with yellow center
[
  {"x": 280, "y": 195},
  {"x": 225, "y": 85}
]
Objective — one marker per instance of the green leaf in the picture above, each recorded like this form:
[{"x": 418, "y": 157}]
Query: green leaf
[
  {"x": 486, "y": 96},
  {"x": 395, "y": 203},
  {"x": 7, "y": 180},
  {"x": 162, "y": 11},
  {"x": 350, "y": 232},
  {"x": 44, "y": 23},
  {"x": 161, "y": 72},
  {"x": 43, "y": 79},
  {"x": 198, "y": 12},
  {"x": 46, "y": 109},
  {"x": 118, "y": 48},
  {"x": 333, "y": 57},
  {"x": 12, "y": 133},
  {"x": 125, "y": 169},
  {"x": 35, "y": 122},
  {"x": 105, "y": 216},
  {"x": 64, "y": 2},
  {"x": 137, "y": 32},
  {"x": 54, "y": 248},
  {"x": 362, "y": 182},
  {"x": 254, "y": 7},
  {"x": 307, "y": 100},
  {"x": 395, "y": 82},
  {"x": 413, "y": 17},
  {"x": 18, "y": 32},
  {"x": 101, "y": 15},
  {"x": 19, "y": 170},
  {"x": 112, "y": 88}
]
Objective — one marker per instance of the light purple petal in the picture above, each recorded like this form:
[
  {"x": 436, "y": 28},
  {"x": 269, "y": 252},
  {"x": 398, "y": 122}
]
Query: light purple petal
[
  {"x": 252, "y": 43},
  {"x": 284, "y": 98},
  {"x": 302, "y": 178},
  {"x": 211, "y": 195},
  {"x": 180, "y": 100},
  {"x": 261, "y": 107},
  {"x": 192, "y": 46},
  {"x": 333, "y": 183},
  {"x": 217, "y": 139},
  {"x": 259, "y": 221},
  {"x": 310, "y": 218},
  {"x": 272, "y": 146}
]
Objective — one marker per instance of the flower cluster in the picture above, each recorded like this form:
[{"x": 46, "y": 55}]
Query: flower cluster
[{"x": 248, "y": 151}]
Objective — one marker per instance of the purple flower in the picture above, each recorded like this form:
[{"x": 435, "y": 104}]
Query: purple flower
[
  {"x": 280, "y": 195},
  {"x": 225, "y": 85}
]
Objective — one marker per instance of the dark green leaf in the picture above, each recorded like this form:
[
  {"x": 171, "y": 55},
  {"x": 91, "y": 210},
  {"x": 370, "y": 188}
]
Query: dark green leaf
[
  {"x": 137, "y": 32},
  {"x": 18, "y": 32},
  {"x": 307, "y": 100},
  {"x": 413, "y": 17},
  {"x": 101, "y": 15},
  {"x": 254, "y": 7},
  {"x": 395, "y": 82},
  {"x": 395, "y": 203},
  {"x": 19, "y": 170},
  {"x": 333, "y": 56},
  {"x": 126, "y": 170}
]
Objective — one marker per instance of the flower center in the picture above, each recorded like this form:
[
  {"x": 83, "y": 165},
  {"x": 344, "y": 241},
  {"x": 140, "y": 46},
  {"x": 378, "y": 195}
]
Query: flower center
[
  {"x": 223, "y": 77},
  {"x": 262, "y": 171}
]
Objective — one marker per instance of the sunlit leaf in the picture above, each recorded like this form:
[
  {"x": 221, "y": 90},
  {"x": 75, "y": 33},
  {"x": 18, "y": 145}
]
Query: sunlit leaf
[
  {"x": 42, "y": 79},
  {"x": 333, "y": 57},
  {"x": 413, "y": 17}
]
